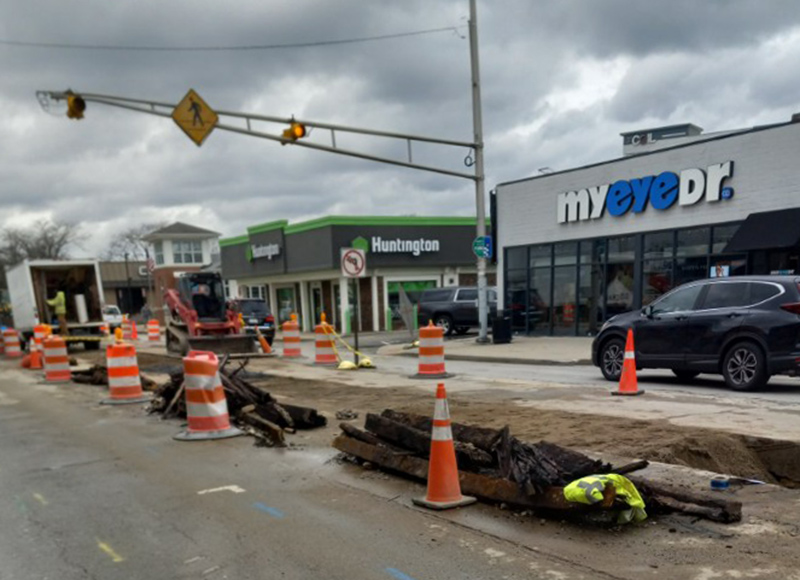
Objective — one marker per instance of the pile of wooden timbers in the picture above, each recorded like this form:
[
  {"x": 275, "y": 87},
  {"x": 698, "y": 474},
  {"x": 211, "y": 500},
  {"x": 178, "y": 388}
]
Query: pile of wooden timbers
[{"x": 498, "y": 468}]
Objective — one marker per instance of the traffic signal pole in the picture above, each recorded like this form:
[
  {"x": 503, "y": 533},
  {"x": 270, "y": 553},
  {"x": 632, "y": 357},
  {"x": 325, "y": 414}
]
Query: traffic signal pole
[{"x": 480, "y": 176}]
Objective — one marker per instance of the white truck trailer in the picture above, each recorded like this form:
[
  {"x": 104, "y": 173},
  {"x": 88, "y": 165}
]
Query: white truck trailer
[{"x": 32, "y": 282}]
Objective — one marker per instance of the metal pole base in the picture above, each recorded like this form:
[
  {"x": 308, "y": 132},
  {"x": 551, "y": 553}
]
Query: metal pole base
[
  {"x": 126, "y": 401},
  {"x": 483, "y": 340},
  {"x": 207, "y": 435},
  {"x": 444, "y": 505}
]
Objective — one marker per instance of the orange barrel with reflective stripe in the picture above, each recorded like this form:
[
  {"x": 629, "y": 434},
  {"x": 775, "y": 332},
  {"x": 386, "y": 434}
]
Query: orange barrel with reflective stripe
[
  {"x": 2, "y": 344},
  {"x": 124, "y": 382},
  {"x": 431, "y": 352},
  {"x": 291, "y": 338},
  {"x": 11, "y": 341},
  {"x": 126, "y": 329},
  {"x": 56, "y": 360},
  {"x": 206, "y": 406},
  {"x": 325, "y": 353},
  {"x": 39, "y": 332},
  {"x": 153, "y": 331}
]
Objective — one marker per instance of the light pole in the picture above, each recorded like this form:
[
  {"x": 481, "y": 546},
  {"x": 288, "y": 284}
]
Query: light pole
[{"x": 480, "y": 178}]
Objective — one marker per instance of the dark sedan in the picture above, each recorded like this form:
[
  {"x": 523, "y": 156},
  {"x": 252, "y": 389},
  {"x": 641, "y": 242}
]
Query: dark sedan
[
  {"x": 255, "y": 313},
  {"x": 744, "y": 328}
]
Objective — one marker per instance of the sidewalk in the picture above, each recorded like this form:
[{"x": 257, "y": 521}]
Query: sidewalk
[{"x": 533, "y": 350}]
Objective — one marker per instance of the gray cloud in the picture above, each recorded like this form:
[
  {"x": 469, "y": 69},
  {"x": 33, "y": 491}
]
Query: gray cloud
[{"x": 560, "y": 81}]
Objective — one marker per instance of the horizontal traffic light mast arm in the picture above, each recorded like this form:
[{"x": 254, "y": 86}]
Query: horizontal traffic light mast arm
[{"x": 162, "y": 109}]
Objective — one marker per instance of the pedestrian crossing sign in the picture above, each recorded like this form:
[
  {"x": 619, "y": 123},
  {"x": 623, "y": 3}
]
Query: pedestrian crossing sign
[{"x": 195, "y": 117}]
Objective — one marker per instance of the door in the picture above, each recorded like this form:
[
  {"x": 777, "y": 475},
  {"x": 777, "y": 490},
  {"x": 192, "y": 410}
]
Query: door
[
  {"x": 316, "y": 303},
  {"x": 287, "y": 303},
  {"x": 465, "y": 310},
  {"x": 660, "y": 332},
  {"x": 720, "y": 313}
]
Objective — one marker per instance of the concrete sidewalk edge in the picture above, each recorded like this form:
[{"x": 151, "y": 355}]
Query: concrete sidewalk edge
[{"x": 502, "y": 360}]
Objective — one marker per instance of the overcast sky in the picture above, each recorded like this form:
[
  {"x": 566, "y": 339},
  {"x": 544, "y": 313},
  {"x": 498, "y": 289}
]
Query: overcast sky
[{"x": 561, "y": 80}]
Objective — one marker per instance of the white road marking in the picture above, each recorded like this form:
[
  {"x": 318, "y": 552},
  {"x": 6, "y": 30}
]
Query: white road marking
[{"x": 231, "y": 488}]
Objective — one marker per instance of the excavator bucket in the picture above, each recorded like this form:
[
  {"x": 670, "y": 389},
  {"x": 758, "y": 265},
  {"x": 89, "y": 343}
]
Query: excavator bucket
[{"x": 228, "y": 344}]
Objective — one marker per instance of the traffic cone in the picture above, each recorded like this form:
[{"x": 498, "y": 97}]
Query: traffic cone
[
  {"x": 265, "y": 348},
  {"x": 444, "y": 489},
  {"x": 36, "y": 356},
  {"x": 628, "y": 385},
  {"x": 134, "y": 331}
]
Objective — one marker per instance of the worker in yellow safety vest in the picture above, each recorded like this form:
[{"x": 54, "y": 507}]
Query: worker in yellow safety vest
[
  {"x": 589, "y": 490},
  {"x": 59, "y": 304}
]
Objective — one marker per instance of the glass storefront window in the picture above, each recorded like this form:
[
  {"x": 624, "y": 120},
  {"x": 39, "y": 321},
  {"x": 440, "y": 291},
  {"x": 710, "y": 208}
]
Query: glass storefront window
[
  {"x": 516, "y": 258},
  {"x": 564, "y": 308},
  {"x": 287, "y": 303},
  {"x": 413, "y": 289},
  {"x": 565, "y": 253},
  {"x": 590, "y": 301},
  {"x": 539, "y": 301},
  {"x": 657, "y": 279},
  {"x": 593, "y": 251},
  {"x": 722, "y": 235},
  {"x": 693, "y": 242},
  {"x": 659, "y": 245},
  {"x": 516, "y": 287},
  {"x": 723, "y": 266},
  {"x": 541, "y": 256},
  {"x": 621, "y": 249},
  {"x": 690, "y": 269},
  {"x": 619, "y": 289}
]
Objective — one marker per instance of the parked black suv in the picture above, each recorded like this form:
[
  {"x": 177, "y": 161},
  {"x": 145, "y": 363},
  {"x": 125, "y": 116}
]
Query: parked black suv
[
  {"x": 455, "y": 308},
  {"x": 746, "y": 328},
  {"x": 255, "y": 312}
]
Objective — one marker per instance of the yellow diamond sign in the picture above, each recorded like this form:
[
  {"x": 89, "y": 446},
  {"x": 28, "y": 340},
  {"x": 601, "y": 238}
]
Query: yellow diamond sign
[{"x": 195, "y": 117}]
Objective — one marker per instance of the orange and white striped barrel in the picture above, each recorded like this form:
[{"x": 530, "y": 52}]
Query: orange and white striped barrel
[
  {"x": 291, "y": 338},
  {"x": 127, "y": 333},
  {"x": 56, "y": 360},
  {"x": 39, "y": 332},
  {"x": 325, "y": 353},
  {"x": 153, "y": 331},
  {"x": 206, "y": 405},
  {"x": 2, "y": 344},
  {"x": 12, "y": 344},
  {"x": 124, "y": 382},
  {"x": 431, "y": 352}
]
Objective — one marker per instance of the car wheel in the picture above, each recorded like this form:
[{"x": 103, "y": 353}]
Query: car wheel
[
  {"x": 744, "y": 367},
  {"x": 612, "y": 356},
  {"x": 685, "y": 375},
  {"x": 445, "y": 322}
]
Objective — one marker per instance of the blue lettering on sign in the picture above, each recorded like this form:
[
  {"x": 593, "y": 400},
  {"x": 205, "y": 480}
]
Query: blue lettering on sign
[
  {"x": 618, "y": 201},
  {"x": 661, "y": 191}
]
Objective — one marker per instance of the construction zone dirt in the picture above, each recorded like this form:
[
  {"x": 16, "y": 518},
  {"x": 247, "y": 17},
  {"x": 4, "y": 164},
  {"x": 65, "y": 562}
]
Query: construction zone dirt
[{"x": 720, "y": 452}]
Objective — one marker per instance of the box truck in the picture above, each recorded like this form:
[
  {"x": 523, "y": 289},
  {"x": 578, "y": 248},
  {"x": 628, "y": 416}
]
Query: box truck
[{"x": 32, "y": 282}]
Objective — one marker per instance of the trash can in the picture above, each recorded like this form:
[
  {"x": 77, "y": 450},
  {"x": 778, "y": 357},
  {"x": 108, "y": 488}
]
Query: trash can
[{"x": 501, "y": 328}]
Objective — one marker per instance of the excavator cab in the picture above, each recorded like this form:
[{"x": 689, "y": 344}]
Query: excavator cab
[{"x": 205, "y": 293}]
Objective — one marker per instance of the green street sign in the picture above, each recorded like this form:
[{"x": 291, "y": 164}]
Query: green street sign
[{"x": 482, "y": 247}]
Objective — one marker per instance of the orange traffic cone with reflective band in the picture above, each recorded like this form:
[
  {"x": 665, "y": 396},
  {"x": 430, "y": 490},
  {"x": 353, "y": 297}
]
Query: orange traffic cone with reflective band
[
  {"x": 628, "y": 385},
  {"x": 444, "y": 489}
]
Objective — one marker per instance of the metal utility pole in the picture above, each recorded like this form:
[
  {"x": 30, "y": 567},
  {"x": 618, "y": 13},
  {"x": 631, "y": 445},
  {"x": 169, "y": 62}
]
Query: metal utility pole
[
  {"x": 480, "y": 177},
  {"x": 129, "y": 301}
]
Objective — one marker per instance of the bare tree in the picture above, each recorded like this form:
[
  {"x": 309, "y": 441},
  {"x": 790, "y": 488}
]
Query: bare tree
[
  {"x": 44, "y": 240},
  {"x": 130, "y": 242}
]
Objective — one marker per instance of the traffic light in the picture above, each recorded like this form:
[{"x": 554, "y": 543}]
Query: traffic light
[
  {"x": 75, "y": 106},
  {"x": 294, "y": 132}
]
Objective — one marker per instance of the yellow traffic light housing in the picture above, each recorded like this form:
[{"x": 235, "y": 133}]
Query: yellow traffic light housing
[
  {"x": 294, "y": 132},
  {"x": 75, "y": 106}
]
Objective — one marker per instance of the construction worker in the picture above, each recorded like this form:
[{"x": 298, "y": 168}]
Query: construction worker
[{"x": 59, "y": 303}]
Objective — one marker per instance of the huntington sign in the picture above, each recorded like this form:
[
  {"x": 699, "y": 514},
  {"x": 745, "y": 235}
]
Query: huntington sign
[{"x": 661, "y": 192}]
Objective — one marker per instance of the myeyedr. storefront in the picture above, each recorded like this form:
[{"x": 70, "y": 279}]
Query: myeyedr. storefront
[
  {"x": 578, "y": 246},
  {"x": 296, "y": 267}
]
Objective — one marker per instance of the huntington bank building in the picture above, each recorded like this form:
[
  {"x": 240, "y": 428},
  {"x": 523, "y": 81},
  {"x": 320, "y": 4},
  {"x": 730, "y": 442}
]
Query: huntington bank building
[{"x": 580, "y": 245}]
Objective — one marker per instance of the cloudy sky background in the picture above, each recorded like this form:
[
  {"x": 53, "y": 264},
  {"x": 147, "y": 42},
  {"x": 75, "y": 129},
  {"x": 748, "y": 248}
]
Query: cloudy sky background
[{"x": 560, "y": 81}]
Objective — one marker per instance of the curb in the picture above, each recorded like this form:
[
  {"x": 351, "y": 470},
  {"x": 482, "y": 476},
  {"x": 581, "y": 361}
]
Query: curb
[{"x": 505, "y": 360}]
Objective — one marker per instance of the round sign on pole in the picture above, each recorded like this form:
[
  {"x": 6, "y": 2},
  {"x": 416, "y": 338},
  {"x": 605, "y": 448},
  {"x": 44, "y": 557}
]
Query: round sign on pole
[{"x": 354, "y": 263}]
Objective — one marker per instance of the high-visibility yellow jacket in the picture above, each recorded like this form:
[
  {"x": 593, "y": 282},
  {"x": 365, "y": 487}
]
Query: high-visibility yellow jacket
[
  {"x": 59, "y": 303},
  {"x": 589, "y": 490}
]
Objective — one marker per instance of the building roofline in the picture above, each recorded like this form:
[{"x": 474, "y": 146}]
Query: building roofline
[
  {"x": 267, "y": 227},
  {"x": 661, "y": 128},
  {"x": 693, "y": 143}
]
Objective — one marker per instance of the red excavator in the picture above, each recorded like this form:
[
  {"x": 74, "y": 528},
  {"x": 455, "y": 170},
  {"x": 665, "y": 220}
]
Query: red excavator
[{"x": 199, "y": 317}]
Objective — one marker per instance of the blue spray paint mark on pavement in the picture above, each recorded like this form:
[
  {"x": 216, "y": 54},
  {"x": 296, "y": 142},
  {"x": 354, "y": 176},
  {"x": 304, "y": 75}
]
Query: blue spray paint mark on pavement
[
  {"x": 398, "y": 574},
  {"x": 274, "y": 512}
]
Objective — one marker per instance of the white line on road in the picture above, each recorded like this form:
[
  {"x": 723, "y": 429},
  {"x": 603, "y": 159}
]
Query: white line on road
[{"x": 231, "y": 488}]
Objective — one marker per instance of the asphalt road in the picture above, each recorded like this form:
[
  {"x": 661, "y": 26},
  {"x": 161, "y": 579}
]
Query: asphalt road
[{"x": 97, "y": 492}]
